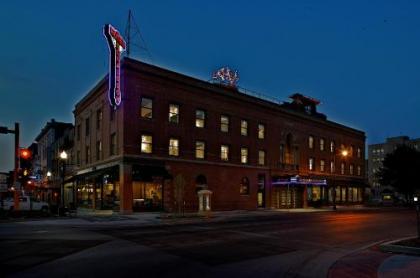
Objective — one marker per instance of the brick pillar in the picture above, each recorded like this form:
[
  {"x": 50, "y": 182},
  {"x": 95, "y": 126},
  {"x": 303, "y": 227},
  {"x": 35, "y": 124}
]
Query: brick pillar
[
  {"x": 305, "y": 196},
  {"x": 126, "y": 189}
]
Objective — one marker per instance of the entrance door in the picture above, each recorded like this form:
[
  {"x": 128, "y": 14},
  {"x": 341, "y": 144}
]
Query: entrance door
[{"x": 261, "y": 191}]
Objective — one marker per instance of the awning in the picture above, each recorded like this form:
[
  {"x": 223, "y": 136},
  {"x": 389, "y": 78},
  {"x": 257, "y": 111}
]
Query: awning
[{"x": 149, "y": 173}]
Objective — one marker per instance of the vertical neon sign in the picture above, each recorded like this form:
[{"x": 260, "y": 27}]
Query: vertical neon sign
[{"x": 116, "y": 45}]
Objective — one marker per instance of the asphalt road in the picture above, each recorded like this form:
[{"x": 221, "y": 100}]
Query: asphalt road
[{"x": 272, "y": 245}]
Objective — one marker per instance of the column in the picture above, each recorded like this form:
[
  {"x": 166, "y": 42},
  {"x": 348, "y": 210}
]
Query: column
[{"x": 126, "y": 189}]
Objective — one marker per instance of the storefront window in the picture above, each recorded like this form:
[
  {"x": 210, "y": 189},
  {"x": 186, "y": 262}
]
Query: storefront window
[{"x": 147, "y": 196}]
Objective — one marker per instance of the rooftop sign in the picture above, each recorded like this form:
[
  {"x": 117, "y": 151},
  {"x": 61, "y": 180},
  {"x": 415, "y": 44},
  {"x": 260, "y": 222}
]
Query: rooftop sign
[{"x": 116, "y": 45}]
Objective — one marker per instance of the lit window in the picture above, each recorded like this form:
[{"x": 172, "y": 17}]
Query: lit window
[
  {"x": 224, "y": 152},
  {"x": 146, "y": 143},
  {"x": 321, "y": 144},
  {"x": 174, "y": 113},
  {"x": 311, "y": 142},
  {"x": 261, "y": 157},
  {"x": 244, "y": 155},
  {"x": 359, "y": 153},
  {"x": 332, "y": 146},
  {"x": 322, "y": 165},
  {"x": 224, "y": 123},
  {"x": 351, "y": 150},
  {"x": 359, "y": 170},
  {"x": 244, "y": 187},
  {"x": 261, "y": 131},
  {"x": 351, "y": 169},
  {"x": 244, "y": 127},
  {"x": 200, "y": 149},
  {"x": 281, "y": 153},
  {"x": 173, "y": 147},
  {"x": 343, "y": 168},
  {"x": 146, "y": 110},
  {"x": 332, "y": 167},
  {"x": 200, "y": 118},
  {"x": 311, "y": 164}
]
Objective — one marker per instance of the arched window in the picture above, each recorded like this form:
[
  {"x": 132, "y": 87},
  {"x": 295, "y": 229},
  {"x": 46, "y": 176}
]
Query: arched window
[{"x": 244, "y": 187}]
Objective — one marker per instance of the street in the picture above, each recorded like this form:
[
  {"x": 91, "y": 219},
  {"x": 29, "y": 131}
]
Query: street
[{"x": 270, "y": 245}]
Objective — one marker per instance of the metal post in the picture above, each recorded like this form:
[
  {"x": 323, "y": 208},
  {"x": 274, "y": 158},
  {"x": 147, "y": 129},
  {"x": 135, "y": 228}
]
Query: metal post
[
  {"x": 15, "y": 173},
  {"x": 418, "y": 220},
  {"x": 62, "y": 186}
]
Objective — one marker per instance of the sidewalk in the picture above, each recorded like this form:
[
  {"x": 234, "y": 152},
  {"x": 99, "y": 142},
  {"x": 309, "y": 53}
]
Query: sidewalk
[{"x": 372, "y": 262}]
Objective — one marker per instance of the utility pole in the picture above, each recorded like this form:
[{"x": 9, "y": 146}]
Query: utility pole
[
  {"x": 128, "y": 33},
  {"x": 16, "y": 132}
]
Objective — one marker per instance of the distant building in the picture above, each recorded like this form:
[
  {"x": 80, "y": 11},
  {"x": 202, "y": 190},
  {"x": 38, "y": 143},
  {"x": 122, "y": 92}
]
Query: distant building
[
  {"x": 376, "y": 155},
  {"x": 54, "y": 137},
  {"x": 174, "y": 137}
]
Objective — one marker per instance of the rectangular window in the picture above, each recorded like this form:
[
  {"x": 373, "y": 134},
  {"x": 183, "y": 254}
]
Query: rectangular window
[
  {"x": 146, "y": 143},
  {"x": 359, "y": 153},
  {"x": 322, "y": 144},
  {"x": 261, "y": 131},
  {"x": 224, "y": 123},
  {"x": 322, "y": 165},
  {"x": 200, "y": 118},
  {"x": 244, "y": 128},
  {"x": 146, "y": 108},
  {"x": 113, "y": 144},
  {"x": 261, "y": 157},
  {"x": 87, "y": 127},
  {"x": 343, "y": 168},
  {"x": 351, "y": 150},
  {"x": 311, "y": 163},
  {"x": 98, "y": 118},
  {"x": 332, "y": 167},
  {"x": 174, "y": 113},
  {"x": 351, "y": 169},
  {"x": 78, "y": 132},
  {"x": 224, "y": 152},
  {"x": 200, "y": 149},
  {"x": 98, "y": 150},
  {"x": 244, "y": 155},
  {"x": 173, "y": 147},
  {"x": 87, "y": 153},
  {"x": 332, "y": 146},
  {"x": 78, "y": 158},
  {"x": 359, "y": 170},
  {"x": 311, "y": 142},
  {"x": 281, "y": 153}
]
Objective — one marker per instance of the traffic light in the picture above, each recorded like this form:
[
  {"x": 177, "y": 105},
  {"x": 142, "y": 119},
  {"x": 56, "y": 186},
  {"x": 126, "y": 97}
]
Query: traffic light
[
  {"x": 25, "y": 166},
  {"x": 25, "y": 154}
]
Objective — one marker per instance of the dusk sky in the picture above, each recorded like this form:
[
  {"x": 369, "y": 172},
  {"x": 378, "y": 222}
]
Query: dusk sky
[{"x": 360, "y": 58}]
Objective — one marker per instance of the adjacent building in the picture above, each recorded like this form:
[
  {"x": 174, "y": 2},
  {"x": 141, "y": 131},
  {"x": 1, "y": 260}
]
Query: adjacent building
[
  {"x": 176, "y": 142},
  {"x": 376, "y": 155}
]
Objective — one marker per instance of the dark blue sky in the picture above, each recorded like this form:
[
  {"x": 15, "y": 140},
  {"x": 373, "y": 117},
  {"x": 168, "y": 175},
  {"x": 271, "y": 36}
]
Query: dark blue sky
[{"x": 360, "y": 58}]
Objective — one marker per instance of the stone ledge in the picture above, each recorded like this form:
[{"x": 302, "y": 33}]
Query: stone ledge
[{"x": 390, "y": 246}]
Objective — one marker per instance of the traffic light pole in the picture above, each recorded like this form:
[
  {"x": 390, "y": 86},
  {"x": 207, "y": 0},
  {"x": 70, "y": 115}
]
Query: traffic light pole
[{"x": 15, "y": 174}]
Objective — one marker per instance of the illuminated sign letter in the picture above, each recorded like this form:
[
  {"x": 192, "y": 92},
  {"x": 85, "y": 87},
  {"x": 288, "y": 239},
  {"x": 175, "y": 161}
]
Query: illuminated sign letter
[{"x": 116, "y": 46}]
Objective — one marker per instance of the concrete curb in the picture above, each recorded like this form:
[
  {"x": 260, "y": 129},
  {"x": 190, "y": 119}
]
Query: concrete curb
[{"x": 394, "y": 248}]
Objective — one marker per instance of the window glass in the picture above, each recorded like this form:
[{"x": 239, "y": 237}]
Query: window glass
[
  {"x": 244, "y": 155},
  {"x": 224, "y": 123},
  {"x": 173, "y": 147},
  {"x": 146, "y": 143},
  {"x": 311, "y": 164},
  {"x": 174, "y": 113},
  {"x": 261, "y": 131},
  {"x": 224, "y": 152},
  {"x": 244, "y": 186},
  {"x": 321, "y": 144},
  {"x": 311, "y": 142},
  {"x": 200, "y": 118},
  {"x": 200, "y": 148},
  {"x": 261, "y": 157},
  {"x": 322, "y": 165},
  {"x": 146, "y": 108},
  {"x": 244, "y": 127}
]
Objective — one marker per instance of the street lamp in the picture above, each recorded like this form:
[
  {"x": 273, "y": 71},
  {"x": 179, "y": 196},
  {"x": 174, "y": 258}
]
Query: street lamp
[
  {"x": 63, "y": 158},
  {"x": 344, "y": 153},
  {"x": 417, "y": 203},
  {"x": 49, "y": 174}
]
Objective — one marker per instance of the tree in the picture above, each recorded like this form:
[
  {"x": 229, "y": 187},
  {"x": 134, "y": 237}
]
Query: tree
[{"x": 400, "y": 170}]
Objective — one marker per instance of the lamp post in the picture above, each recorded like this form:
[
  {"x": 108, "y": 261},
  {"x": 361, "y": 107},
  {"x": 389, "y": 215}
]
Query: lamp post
[
  {"x": 63, "y": 158},
  {"x": 417, "y": 202},
  {"x": 344, "y": 153}
]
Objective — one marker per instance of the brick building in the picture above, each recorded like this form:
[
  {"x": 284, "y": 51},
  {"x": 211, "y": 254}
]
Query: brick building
[{"x": 174, "y": 136}]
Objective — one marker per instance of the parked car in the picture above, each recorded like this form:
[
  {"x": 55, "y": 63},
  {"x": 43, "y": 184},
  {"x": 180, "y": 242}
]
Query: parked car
[{"x": 25, "y": 204}]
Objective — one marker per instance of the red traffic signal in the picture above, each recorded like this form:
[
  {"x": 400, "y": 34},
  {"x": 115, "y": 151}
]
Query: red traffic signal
[{"x": 25, "y": 153}]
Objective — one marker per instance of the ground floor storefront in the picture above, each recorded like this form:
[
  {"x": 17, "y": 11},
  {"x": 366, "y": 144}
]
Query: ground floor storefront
[{"x": 149, "y": 185}]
